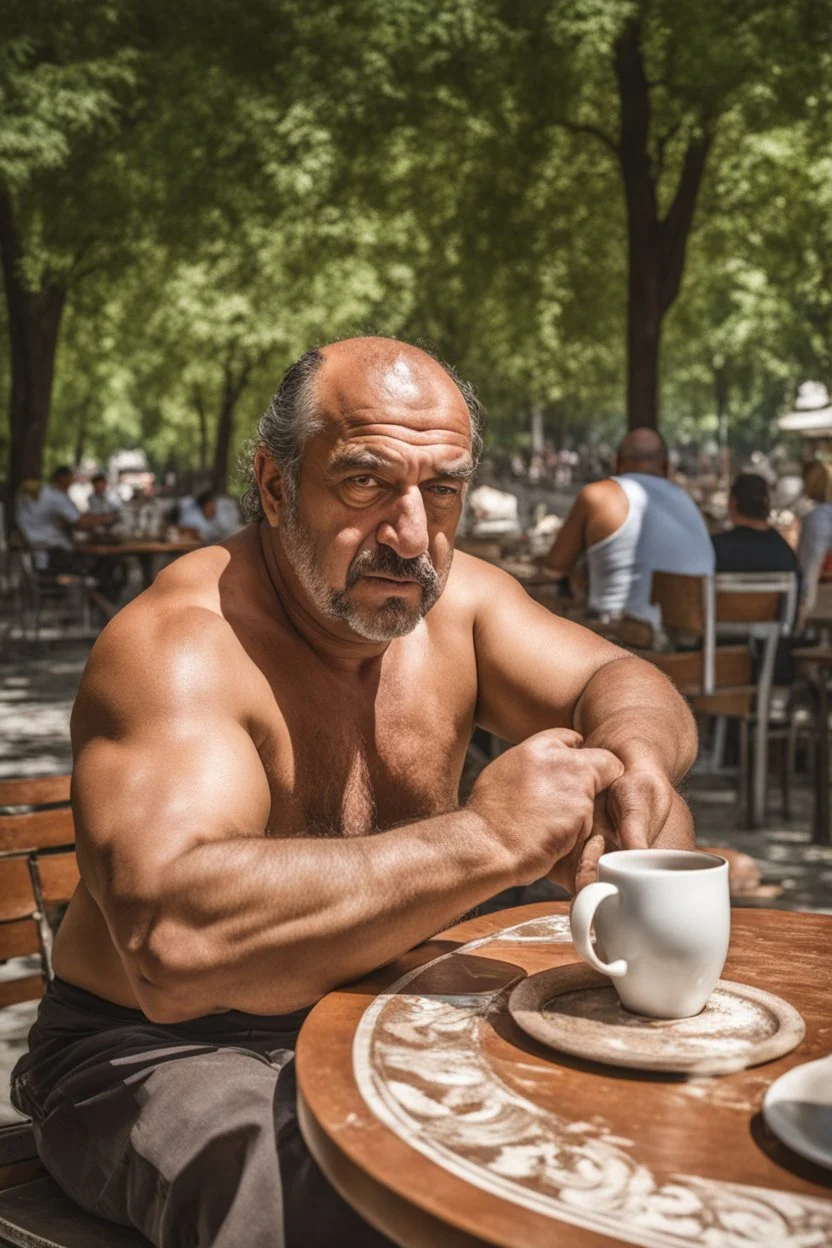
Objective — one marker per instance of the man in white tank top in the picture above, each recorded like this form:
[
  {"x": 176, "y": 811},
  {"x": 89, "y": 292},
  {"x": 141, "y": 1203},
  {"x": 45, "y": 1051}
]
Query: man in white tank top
[{"x": 629, "y": 527}]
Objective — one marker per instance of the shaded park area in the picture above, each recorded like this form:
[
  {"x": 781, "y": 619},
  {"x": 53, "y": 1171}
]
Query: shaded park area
[{"x": 416, "y": 489}]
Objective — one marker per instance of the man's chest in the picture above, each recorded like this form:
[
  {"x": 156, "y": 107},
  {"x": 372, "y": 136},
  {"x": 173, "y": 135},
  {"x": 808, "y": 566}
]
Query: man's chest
[{"x": 348, "y": 762}]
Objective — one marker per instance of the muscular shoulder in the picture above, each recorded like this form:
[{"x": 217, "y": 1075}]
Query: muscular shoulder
[
  {"x": 605, "y": 509},
  {"x": 478, "y": 592},
  {"x": 169, "y": 654}
]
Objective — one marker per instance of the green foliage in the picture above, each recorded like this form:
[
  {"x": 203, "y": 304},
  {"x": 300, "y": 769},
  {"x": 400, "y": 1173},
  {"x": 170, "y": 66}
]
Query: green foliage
[{"x": 218, "y": 188}]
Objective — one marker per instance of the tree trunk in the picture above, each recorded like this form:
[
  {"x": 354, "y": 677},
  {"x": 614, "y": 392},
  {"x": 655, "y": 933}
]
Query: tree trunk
[
  {"x": 34, "y": 322},
  {"x": 233, "y": 387},
  {"x": 656, "y": 246},
  {"x": 80, "y": 437},
  {"x": 199, "y": 404},
  {"x": 721, "y": 401}
]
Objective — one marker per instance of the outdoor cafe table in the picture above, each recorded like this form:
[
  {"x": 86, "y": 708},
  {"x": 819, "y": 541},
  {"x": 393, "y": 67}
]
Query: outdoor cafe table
[
  {"x": 443, "y": 1124},
  {"x": 146, "y": 551}
]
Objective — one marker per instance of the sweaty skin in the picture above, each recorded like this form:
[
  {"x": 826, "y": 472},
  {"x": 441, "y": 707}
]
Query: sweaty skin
[{"x": 266, "y": 800}]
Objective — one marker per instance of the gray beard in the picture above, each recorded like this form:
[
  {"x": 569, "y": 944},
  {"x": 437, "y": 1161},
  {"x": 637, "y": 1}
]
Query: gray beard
[{"x": 395, "y": 617}]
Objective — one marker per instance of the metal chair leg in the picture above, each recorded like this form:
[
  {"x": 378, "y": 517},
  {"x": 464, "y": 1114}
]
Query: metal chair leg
[{"x": 744, "y": 776}]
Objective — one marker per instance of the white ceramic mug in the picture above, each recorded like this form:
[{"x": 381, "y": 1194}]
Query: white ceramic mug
[{"x": 662, "y": 920}]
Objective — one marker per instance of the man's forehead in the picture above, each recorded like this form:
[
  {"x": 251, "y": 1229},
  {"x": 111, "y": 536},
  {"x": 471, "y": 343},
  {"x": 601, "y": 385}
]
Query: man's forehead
[{"x": 367, "y": 385}]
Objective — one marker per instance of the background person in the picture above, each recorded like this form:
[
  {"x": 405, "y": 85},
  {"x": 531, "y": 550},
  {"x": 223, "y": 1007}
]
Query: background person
[
  {"x": 752, "y": 544},
  {"x": 102, "y": 500},
  {"x": 211, "y": 517},
  {"x": 630, "y": 526},
  {"x": 48, "y": 521},
  {"x": 815, "y": 540}
]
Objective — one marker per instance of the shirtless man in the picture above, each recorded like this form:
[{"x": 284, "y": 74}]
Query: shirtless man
[{"x": 268, "y": 747}]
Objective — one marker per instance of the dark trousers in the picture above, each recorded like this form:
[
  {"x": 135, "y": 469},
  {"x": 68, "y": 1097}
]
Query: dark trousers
[{"x": 188, "y": 1132}]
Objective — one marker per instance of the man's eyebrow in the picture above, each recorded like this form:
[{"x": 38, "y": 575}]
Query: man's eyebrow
[
  {"x": 456, "y": 472},
  {"x": 349, "y": 460},
  {"x": 357, "y": 459}
]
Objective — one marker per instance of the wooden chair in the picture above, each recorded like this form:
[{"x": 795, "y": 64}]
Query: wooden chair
[
  {"x": 749, "y": 605},
  {"x": 38, "y": 875}
]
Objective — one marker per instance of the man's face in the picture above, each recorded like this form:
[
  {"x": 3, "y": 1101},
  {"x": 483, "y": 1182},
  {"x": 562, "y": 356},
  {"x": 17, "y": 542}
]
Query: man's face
[
  {"x": 368, "y": 529},
  {"x": 209, "y": 509},
  {"x": 99, "y": 485}
]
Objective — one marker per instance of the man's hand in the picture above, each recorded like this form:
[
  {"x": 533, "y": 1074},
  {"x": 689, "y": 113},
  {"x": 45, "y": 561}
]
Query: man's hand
[
  {"x": 638, "y": 810},
  {"x": 539, "y": 798}
]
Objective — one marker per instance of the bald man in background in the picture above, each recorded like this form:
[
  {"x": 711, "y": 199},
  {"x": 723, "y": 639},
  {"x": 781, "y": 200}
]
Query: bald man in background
[{"x": 629, "y": 527}]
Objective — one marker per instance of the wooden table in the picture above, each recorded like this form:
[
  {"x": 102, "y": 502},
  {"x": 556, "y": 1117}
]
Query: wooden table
[
  {"x": 443, "y": 1124},
  {"x": 138, "y": 547},
  {"x": 145, "y": 551},
  {"x": 818, "y": 661}
]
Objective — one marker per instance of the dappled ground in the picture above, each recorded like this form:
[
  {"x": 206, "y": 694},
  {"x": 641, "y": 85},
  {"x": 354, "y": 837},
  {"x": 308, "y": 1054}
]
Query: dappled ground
[{"x": 37, "y": 687}]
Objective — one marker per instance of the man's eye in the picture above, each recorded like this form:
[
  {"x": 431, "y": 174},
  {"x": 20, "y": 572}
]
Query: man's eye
[
  {"x": 363, "y": 483},
  {"x": 444, "y": 491}
]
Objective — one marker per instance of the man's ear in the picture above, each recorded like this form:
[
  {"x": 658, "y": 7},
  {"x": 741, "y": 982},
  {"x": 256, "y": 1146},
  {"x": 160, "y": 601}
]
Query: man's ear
[{"x": 270, "y": 480}]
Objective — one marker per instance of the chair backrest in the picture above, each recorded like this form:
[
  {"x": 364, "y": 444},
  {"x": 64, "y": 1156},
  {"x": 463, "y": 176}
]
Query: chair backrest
[
  {"x": 683, "y": 601},
  {"x": 731, "y": 603},
  {"x": 38, "y": 875}
]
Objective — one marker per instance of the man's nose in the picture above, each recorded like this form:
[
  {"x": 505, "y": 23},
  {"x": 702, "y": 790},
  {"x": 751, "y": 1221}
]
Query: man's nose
[{"x": 405, "y": 528}]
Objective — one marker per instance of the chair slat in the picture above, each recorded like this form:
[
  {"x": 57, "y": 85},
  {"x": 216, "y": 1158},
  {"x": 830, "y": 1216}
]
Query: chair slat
[
  {"x": 37, "y": 830},
  {"x": 747, "y": 608},
  {"x": 681, "y": 601},
  {"x": 17, "y": 900},
  {"x": 42, "y": 791},
  {"x": 58, "y": 876},
  {"x": 24, "y": 988},
  {"x": 18, "y": 938},
  {"x": 732, "y": 665}
]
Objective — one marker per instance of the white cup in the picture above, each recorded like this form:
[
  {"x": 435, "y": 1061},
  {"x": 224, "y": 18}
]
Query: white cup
[{"x": 662, "y": 920}]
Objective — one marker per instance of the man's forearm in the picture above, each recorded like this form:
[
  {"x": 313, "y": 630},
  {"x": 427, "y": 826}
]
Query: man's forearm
[
  {"x": 269, "y": 925},
  {"x": 630, "y": 708}
]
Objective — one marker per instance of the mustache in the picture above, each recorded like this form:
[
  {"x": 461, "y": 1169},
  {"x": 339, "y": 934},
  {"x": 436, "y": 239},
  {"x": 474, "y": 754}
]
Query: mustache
[{"x": 385, "y": 562}]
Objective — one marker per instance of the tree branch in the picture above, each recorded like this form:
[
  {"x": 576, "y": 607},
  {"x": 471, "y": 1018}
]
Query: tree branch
[
  {"x": 674, "y": 229},
  {"x": 597, "y": 133}
]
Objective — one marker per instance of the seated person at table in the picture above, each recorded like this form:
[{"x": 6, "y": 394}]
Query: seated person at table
[
  {"x": 752, "y": 545},
  {"x": 48, "y": 518},
  {"x": 208, "y": 520},
  {"x": 630, "y": 526},
  {"x": 268, "y": 748},
  {"x": 102, "y": 500}
]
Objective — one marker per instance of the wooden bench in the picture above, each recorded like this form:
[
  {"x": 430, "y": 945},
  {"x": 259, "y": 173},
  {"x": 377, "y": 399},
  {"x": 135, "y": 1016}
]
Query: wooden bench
[{"x": 38, "y": 875}]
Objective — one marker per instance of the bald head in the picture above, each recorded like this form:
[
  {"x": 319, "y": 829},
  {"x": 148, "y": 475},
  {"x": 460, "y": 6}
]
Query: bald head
[
  {"x": 352, "y": 376},
  {"x": 642, "y": 450},
  {"x": 358, "y": 374}
]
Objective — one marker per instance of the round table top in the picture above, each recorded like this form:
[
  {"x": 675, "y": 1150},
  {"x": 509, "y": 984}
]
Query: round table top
[{"x": 444, "y": 1124}]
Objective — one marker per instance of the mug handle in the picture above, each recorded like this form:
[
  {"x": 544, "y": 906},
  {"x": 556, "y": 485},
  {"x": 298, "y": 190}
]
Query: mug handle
[{"x": 583, "y": 913}]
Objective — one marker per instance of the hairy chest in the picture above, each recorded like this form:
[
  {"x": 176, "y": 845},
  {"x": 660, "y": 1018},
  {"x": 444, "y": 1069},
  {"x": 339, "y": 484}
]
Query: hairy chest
[{"x": 342, "y": 763}]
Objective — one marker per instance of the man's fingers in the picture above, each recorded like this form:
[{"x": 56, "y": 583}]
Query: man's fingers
[
  {"x": 587, "y": 868},
  {"x": 639, "y": 805},
  {"x": 606, "y": 767}
]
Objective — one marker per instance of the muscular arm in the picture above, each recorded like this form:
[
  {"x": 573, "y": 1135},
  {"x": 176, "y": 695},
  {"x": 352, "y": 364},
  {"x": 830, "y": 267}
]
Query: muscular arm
[
  {"x": 538, "y": 671},
  {"x": 599, "y": 510},
  {"x": 171, "y": 804}
]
